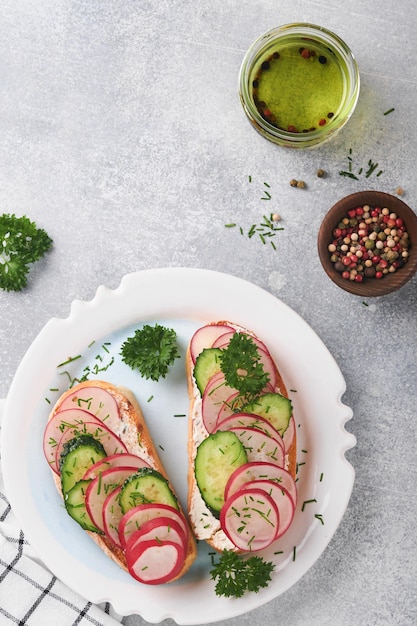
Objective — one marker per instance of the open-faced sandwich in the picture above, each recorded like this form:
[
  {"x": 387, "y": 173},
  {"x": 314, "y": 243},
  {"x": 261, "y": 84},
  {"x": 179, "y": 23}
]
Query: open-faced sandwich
[
  {"x": 113, "y": 483},
  {"x": 242, "y": 441}
]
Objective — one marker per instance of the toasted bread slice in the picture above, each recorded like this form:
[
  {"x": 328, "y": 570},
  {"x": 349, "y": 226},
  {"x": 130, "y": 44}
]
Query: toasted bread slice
[
  {"x": 131, "y": 428},
  {"x": 205, "y": 524}
]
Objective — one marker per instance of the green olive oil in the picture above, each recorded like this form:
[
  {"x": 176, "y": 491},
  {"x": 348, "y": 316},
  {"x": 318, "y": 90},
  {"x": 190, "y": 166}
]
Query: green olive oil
[{"x": 299, "y": 86}]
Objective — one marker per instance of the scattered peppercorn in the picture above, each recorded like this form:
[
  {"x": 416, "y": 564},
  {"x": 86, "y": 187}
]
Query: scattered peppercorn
[
  {"x": 293, "y": 182},
  {"x": 399, "y": 191},
  {"x": 300, "y": 184},
  {"x": 320, "y": 172},
  {"x": 369, "y": 242},
  {"x": 322, "y": 59}
]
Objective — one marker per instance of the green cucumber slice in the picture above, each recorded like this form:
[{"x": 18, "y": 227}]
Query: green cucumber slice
[
  {"x": 274, "y": 407},
  {"x": 77, "y": 456},
  {"x": 75, "y": 505},
  {"x": 206, "y": 365},
  {"x": 146, "y": 486},
  {"x": 217, "y": 457}
]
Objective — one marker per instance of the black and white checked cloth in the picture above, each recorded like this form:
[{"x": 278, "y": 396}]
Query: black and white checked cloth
[{"x": 29, "y": 594}]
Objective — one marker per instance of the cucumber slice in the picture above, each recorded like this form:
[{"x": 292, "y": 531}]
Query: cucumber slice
[
  {"x": 217, "y": 458},
  {"x": 75, "y": 505},
  {"x": 274, "y": 407},
  {"x": 146, "y": 486},
  {"x": 77, "y": 456},
  {"x": 207, "y": 364}
]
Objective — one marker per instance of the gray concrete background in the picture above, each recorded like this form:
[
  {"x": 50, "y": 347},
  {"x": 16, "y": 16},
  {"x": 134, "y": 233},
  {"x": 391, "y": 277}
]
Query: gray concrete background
[{"x": 123, "y": 136}]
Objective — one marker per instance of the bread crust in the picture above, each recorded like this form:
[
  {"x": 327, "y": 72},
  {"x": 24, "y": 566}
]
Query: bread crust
[
  {"x": 214, "y": 536},
  {"x": 134, "y": 433}
]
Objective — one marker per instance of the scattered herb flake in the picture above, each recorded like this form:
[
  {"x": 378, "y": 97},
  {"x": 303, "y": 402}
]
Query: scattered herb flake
[
  {"x": 307, "y": 502},
  {"x": 389, "y": 111}
]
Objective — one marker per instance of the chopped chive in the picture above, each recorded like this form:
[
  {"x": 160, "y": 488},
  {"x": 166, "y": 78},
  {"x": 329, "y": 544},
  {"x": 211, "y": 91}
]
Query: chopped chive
[
  {"x": 321, "y": 477},
  {"x": 230, "y": 225},
  {"x": 294, "y": 553},
  {"x": 150, "y": 398},
  {"x": 69, "y": 360},
  {"x": 389, "y": 111},
  {"x": 308, "y": 502}
]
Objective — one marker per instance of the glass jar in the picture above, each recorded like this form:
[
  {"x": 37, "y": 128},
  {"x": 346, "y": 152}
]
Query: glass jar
[{"x": 299, "y": 85}]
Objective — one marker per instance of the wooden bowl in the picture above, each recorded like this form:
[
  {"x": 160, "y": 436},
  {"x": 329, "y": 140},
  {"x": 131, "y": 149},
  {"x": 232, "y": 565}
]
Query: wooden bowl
[{"x": 369, "y": 287}]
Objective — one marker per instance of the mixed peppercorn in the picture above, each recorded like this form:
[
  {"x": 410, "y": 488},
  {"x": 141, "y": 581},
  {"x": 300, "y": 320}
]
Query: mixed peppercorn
[{"x": 369, "y": 242}]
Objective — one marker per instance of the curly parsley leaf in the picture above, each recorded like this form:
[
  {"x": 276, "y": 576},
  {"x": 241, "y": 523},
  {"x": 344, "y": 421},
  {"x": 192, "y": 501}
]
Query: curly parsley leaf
[
  {"x": 235, "y": 576},
  {"x": 151, "y": 350},
  {"x": 21, "y": 244},
  {"x": 241, "y": 364}
]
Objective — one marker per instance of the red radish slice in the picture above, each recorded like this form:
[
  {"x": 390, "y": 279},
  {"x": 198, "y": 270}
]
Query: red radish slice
[
  {"x": 154, "y": 563},
  {"x": 226, "y": 410},
  {"x": 110, "y": 442},
  {"x": 250, "y": 420},
  {"x": 250, "y": 519},
  {"x": 223, "y": 341},
  {"x": 115, "y": 460},
  {"x": 112, "y": 514},
  {"x": 205, "y": 336},
  {"x": 260, "y": 471},
  {"x": 160, "y": 528},
  {"x": 99, "y": 489},
  {"x": 288, "y": 436},
  {"x": 215, "y": 395},
  {"x": 139, "y": 515},
  {"x": 260, "y": 446},
  {"x": 97, "y": 401},
  {"x": 282, "y": 499},
  {"x": 57, "y": 425}
]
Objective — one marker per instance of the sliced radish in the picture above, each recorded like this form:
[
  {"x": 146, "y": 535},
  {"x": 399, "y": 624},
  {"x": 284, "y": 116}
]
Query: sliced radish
[
  {"x": 215, "y": 395},
  {"x": 112, "y": 514},
  {"x": 139, "y": 515},
  {"x": 226, "y": 410},
  {"x": 154, "y": 563},
  {"x": 288, "y": 436},
  {"x": 282, "y": 499},
  {"x": 260, "y": 471},
  {"x": 110, "y": 442},
  {"x": 205, "y": 336},
  {"x": 115, "y": 460},
  {"x": 100, "y": 487},
  {"x": 250, "y": 519},
  {"x": 223, "y": 341},
  {"x": 259, "y": 446},
  {"x": 57, "y": 425},
  {"x": 161, "y": 529},
  {"x": 250, "y": 420},
  {"x": 97, "y": 401}
]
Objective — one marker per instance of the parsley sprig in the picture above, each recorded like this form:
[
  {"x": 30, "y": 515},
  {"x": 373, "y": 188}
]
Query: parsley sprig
[
  {"x": 151, "y": 350},
  {"x": 21, "y": 244},
  {"x": 240, "y": 362},
  {"x": 235, "y": 576}
]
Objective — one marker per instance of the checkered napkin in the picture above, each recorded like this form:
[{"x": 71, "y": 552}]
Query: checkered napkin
[{"x": 29, "y": 594}]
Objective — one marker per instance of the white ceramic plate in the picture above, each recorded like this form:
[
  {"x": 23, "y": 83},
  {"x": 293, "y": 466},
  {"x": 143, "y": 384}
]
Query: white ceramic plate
[{"x": 94, "y": 331}]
